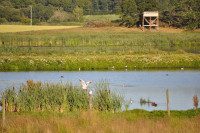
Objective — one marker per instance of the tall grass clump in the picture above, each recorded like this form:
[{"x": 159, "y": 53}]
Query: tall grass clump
[
  {"x": 106, "y": 100},
  {"x": 37, "y": 96}
]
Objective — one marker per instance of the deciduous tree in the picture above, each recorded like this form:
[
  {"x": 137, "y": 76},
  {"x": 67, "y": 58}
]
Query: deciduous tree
[{"x": 129, "y": 13}]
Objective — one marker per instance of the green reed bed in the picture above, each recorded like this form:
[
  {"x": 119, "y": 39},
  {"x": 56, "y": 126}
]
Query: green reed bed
[
  {"x": 88, "y": 50},
  {"x": 95, "y": 37},
  {"x": 60, "y": 97},
  {"x": 95, "y": 62}
]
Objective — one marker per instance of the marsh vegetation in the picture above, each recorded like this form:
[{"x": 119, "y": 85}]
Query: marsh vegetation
[
  {"x": 49, "y": 96},
  {"x": 98, "y": 48}
]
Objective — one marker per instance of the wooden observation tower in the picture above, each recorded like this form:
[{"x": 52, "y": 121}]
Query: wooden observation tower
[{"x": 150, "y": 19}]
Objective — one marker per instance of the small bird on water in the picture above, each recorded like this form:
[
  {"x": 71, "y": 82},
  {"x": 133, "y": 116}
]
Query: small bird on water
[
  {"x": 154, "y": 104},
  {"x": 131, "y": 101}
]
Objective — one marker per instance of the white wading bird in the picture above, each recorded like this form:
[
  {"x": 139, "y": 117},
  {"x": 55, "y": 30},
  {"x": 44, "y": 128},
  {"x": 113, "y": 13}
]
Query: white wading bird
[{"x": 85, "y": 85}]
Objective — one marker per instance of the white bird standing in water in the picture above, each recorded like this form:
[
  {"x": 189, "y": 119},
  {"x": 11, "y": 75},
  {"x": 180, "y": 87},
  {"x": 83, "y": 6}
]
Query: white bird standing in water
[{"x": 85, "y": 85}]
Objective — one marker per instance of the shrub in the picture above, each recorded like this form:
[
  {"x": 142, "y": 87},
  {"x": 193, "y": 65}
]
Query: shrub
[
  {"x": 25, "y": 20},
  {"x": 3, "y": 20},
  {"x": 61, "y": 16},
  {"x": 98, "y": 24},
  {"x": 78, "y": 14},
  {"x": 129, "y": 13},
  {"x": 35, "y": 21}
]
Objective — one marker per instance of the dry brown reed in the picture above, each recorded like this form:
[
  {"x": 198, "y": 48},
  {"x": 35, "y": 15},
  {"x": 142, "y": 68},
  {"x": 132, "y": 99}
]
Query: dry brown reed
[
  {"x": 31, "y": 84},
  {"x": 196, "y": 101}
]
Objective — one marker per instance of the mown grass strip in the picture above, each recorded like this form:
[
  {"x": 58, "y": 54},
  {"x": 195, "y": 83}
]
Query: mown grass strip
[{"x": 22, "y": 28}]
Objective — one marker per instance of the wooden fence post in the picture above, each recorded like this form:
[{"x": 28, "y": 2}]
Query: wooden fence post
[
  {"x": 3, "y": 111},
  {"x": 90, "y": 102},
  {"x": 167, "y": 93}
]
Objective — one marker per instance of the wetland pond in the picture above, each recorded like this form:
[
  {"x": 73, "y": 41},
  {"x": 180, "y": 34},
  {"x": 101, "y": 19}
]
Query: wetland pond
[{"x": 152, "y": 85}]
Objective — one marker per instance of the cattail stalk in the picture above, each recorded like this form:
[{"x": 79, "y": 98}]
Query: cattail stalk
[{"x": 196, "y": 101}]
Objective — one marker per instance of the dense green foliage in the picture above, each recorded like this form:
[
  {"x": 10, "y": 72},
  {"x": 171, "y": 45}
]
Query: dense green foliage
[
  {"x": 129, "y": 10},
  {"x": 78, "y": 14},
  {"x": 184, "y": 13},
  {"x": 43, "y": 10},
  {"x": 58, "y": 97},
  {"x": 177, "y": 13}
]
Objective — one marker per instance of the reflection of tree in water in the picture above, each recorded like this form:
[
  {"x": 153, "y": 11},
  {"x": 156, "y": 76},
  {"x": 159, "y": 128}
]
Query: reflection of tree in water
[{"x": 144, "y": 102}]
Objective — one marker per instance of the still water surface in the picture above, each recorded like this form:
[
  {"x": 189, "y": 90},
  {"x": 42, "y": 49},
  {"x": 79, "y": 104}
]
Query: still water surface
[{"x": 182, "y": 85}]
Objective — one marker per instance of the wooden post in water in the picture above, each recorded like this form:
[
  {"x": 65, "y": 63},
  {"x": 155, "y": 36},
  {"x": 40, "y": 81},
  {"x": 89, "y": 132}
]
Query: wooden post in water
[
  {"x": 13, "y": 86},
  {"x": 3, "y": 111},
  {"x": 167, "y": 93},
  {"x": 90, "y": 102}
]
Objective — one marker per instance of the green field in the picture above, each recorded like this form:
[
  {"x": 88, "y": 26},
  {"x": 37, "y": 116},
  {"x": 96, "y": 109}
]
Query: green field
[
  {"x": 90, "y": 18},
  {"x": 100, "y": 37}
]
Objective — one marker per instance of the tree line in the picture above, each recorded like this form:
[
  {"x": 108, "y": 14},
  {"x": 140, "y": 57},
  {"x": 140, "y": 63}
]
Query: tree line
[
  {"x": 177, "y": 13},
  {"x": 54, "y": 10}
]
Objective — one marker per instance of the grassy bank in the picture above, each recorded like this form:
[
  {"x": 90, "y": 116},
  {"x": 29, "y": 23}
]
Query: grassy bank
[
  {"x": 96, "y": 62},
  {"x": 130, "y": 121}
]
